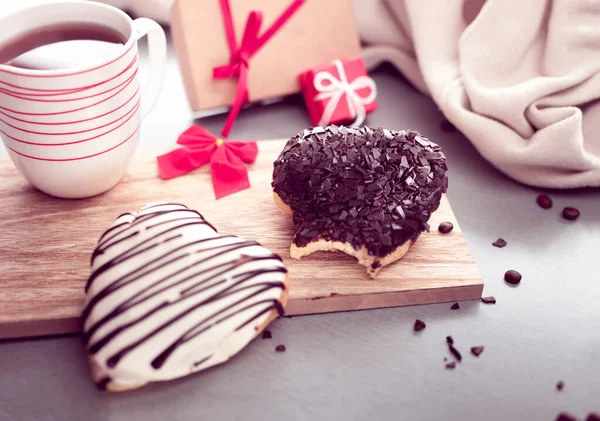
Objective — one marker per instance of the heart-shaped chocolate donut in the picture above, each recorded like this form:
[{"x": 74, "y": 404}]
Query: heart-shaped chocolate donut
[
  {"x": 367, "y": 192},
  {"x": 168, "y": 296}
]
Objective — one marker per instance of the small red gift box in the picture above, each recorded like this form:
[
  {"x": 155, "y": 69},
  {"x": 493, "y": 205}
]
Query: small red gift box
[{"x": 338, "y": 92}]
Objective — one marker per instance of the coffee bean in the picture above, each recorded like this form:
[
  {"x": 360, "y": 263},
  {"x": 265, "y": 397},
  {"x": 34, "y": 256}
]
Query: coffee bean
[
  {"x": 544, "y": 201},
  {"x": 445, "y": 227},
  {"x": 570, "y": 213},
  {"x": 500, "y": 242},
  {"x": 419, "y": 325},
  {"x": 512, "y": 277}
]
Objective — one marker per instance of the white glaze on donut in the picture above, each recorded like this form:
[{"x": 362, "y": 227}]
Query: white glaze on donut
[{"x": 169, "y": 296}]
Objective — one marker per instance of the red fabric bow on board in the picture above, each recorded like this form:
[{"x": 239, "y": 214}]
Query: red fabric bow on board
[
  {"x": 227, "y": 160},
  {"x": 240, "y": 56}
]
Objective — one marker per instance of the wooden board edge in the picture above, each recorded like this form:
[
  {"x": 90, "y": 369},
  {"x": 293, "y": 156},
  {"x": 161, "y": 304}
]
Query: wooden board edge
[
  {"x": 298, "y": 307},
  {"x": 43, "y": 327},
  {"x": 337, "y": 303}
]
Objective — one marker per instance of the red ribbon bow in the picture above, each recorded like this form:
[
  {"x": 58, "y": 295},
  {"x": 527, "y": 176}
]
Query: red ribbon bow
[
  {"x": 251, "y": 43},
  {"x": 227, "y": 159}
]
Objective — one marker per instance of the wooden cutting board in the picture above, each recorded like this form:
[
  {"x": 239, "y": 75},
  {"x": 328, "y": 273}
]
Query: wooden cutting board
[{"x": 46, "y": 243}]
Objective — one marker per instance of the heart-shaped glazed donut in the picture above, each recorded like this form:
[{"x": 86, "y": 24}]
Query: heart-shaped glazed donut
[
  {"x": 367, "y": 192},
  {"x": 169, "y": 296}
]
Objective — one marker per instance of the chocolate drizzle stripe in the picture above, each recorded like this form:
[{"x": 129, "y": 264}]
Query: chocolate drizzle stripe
[
  {"x": 192, "y": 333},
  {"x": 113, "y": 360},
  {"x": 123, "y": 281},
  {"x": 114, "y": 227},
  {"x": 168, "y": 297},
  {"x": 143, "y": 218},
  {"x": 140, "y": 298},
  {"x": 101, "y": 250}
]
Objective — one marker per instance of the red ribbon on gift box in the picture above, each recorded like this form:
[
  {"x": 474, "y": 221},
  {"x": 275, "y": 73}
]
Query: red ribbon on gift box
[
  {"x": 240, "y": 56},
  {"x": 227, "y": 160},
  {"x": 339, "y": 92}
]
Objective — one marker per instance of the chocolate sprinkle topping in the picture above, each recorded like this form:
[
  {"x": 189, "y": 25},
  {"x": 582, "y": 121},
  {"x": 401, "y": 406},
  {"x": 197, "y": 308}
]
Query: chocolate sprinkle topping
[
  {"x": 544, "y": 201},
  {"x": 512, "y": 277},
  {"x": 570, "y": 214},
  {"x": 280, "y": 348},
  {"x": 476, "y": 350},
  {"x": 363, "y": 186},
  {"x": 500, "y": 242},
  {"x": 455, "y": 306},
  {"x": 266, "y": 334},
  {"x": 488, "y": 300},
  {"x": 559, "y": 385},
  {"x": 419, "y": 325},
  {"x": 445, "y": 227},
  {"x": 451, "y": 366}
]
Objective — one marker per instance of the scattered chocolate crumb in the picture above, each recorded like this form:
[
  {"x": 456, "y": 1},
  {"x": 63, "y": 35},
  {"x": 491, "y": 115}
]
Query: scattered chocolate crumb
[
  {"x": 512, "y": 277},
  {"x": 266, "y": 334},
  {"x": 476, "y": 350},
  {"x": 451, "y": 366},
  {"x": 453, "y": 350},
  {"x": 288, "y": 317},
  {"x": 280, "y": 348},
  {"x": 570, "y": 214},
  {"x": 593, "y": 417},
  {"x": 445, "y": 227},
  {"x": 448, "y": 127},
  {"x": 455, "y": 306},
  {"x": 559, "y": 385},
  {"x": 544, "y": 201},
  {"x": 500, "y": 242},
  {"x": 488, "y": 300},
  {"x": 419, "y": 325},
  {"x": 565, "y": 417},
  {"x": 334, "y": 294},
  {"x": 376, "y": 265},
  {"x": 445, "y": 359}
]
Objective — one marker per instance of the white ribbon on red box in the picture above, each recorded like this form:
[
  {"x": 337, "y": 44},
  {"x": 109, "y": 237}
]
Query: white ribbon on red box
[{"x": 336, "y": 88}]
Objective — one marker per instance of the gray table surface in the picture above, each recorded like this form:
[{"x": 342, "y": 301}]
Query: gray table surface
[{"x": 369, "y": 365}]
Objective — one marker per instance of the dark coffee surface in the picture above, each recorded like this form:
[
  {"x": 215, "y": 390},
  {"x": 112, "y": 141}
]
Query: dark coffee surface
[
  {"x": 363, "y": 186},
  {"x": 99, "y": 36}
]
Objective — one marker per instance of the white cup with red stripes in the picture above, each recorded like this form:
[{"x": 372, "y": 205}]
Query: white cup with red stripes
[{"x": 72, "y": 132}]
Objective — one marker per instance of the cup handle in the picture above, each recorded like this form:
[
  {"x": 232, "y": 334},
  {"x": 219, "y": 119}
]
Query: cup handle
[{"x": 157, "y": 50}]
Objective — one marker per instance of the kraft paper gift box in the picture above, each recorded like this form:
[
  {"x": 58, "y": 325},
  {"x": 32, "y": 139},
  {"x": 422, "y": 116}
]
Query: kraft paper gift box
[{"x": 319, "y": 31}]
